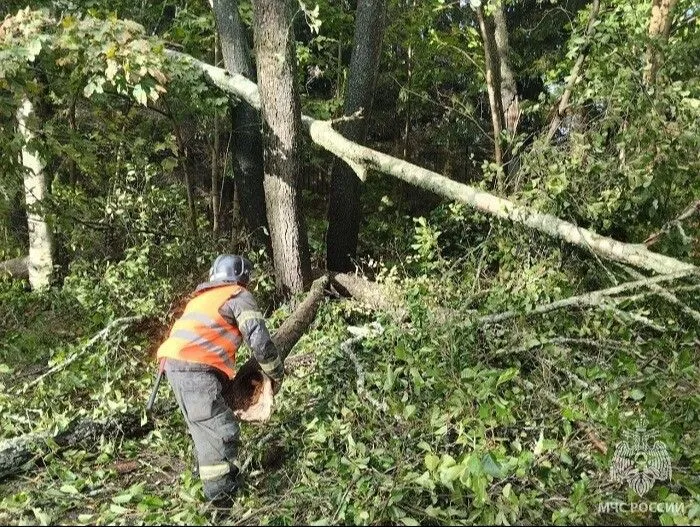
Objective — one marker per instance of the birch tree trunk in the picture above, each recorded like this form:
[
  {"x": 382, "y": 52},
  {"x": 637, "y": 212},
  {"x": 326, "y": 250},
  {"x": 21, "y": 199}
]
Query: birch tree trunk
[
  {"x": 344, "y": 214},
  {"x": 275, "y": 51},
  {"x": 245, "y": 120},
  {"x": 40, "y": 263},
  {"x": 659, "y": 27}
]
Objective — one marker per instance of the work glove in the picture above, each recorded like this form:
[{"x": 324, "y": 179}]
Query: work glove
[
  {"x": 275, "y": 372},
  {"x": 276, "y": 375}
]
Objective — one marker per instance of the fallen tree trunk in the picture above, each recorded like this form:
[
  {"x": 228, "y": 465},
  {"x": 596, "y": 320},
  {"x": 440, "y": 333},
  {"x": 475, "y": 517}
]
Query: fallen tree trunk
[
  {"x": 15, "y": 268},
  {"x": 250, "y": 393},
  {"x": 361, "y": 159},
  {"x": 376, "y": 296},
  {"x": 19, "y": 454}
]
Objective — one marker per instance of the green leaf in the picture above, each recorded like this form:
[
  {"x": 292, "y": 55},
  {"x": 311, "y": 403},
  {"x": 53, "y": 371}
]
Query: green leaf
[
  {"x": 637, "y": 394},
  {"x": 491, "y": 467},
  {"x": 539, "y": 445},
  {"x": 123, "y": 498},
  {"x": 507, "y": 375},
  {"x": 69, "y": 489},
  {"x": 140, "y": 95},
  {"x": 44, "y": 519},
  {"x": 431, "y": 462},
  {"x": 112, "y": 68},
  {"x": 33, "y": 49},
  {"x": 118, "y": 509}
]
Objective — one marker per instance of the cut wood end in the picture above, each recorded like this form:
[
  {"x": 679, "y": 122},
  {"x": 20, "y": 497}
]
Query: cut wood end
[{"x": 260, "y": 410}]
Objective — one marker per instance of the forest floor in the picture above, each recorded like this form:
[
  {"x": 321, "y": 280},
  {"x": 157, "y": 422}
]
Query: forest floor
[{"x": 429, "y": 421}]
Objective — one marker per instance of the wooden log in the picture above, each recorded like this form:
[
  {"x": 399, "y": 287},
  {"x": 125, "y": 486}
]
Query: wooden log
[
  {"x": 17, "y": 268},
  {"x": 382, "y": 297},
  {"x": 23, "y": 452},
  {"x": 250, "y": 393}
]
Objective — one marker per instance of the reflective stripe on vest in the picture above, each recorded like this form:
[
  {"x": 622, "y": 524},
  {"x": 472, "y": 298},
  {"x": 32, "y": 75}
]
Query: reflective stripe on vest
[{"x": 202, "y": 335}]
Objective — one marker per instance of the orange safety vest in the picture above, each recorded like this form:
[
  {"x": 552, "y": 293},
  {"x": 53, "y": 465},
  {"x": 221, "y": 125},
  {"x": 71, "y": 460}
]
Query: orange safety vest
[{"x": 202, "y": 335}]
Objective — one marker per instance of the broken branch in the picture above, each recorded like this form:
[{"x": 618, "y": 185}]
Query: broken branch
[
  {"x": 593, "y": 298},
  {"x": 124, "y": 321}
]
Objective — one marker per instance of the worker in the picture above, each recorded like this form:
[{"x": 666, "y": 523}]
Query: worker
[{"x": 200, "y": 358}]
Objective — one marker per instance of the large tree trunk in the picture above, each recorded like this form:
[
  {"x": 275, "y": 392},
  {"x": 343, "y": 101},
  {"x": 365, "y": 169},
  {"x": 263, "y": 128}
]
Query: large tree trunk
[
  {"x": 40, "y": 238},
  {"x": 275, "y": 51},
  {"x": 344, "y": 210},
  {"x": 362, "y": 158},
  {"x": 659, "y": 27},
  {"x": 575, "y": 71},
  {"x": 509, "y": 88},
  {"x": 245, "y": 121},
  {"x": 493, "y": 84}
]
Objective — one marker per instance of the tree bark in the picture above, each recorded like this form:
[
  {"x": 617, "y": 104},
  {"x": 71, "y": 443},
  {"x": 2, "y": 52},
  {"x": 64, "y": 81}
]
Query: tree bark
[
  {"x": 509, "y": 90},
  {"x": 573, "y": 76},
  {"x": 275, "y": 50},
  {"x": 374, "y": 295},
  {"x": 17, "y": 268},
  {"x": 249, "y": 394},
  {"x": 40, "y": 264},
  {"x": 344, "y": 210},
  {"x": 189, "y": 182},
  {"x": 215, "y": 158},
  {"x": 17, "y": 452},
  {"x": 659, "y": 27},
  {"x": 493, "y": 84},
  {"x": 361, "y": 158},
  {"x": 245, "y": 121}
]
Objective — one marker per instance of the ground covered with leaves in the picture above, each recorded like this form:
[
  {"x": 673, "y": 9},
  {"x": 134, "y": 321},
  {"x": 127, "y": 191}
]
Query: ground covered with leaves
[{"x": 426, "y": 420}]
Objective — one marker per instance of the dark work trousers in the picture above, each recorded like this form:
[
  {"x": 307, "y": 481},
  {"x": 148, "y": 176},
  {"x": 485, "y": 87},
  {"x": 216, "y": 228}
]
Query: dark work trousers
[{"x": 198, "y": 390}]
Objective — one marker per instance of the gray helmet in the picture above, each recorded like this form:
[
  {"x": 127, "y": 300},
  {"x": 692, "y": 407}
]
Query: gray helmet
[{"x": 231, "y": 268}]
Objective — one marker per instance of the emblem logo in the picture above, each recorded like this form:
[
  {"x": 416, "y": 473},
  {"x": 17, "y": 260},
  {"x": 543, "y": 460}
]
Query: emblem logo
[{"x": 640, "y": 462}]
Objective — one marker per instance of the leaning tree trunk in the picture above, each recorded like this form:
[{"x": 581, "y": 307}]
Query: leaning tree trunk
[
  {"x": 362, "y": 158},
  {"x": 492, "y": 83},
  {"x": 245, "y": 121},
  {"x": 344, "y": 214},
  {"x": 40, "y": 265},
  {"x": 275, "y": 50},
  {"x": 659, "y": 27}
]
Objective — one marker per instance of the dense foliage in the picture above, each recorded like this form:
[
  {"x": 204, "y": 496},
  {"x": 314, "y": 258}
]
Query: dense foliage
[{"x": 430, "y": 420}]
